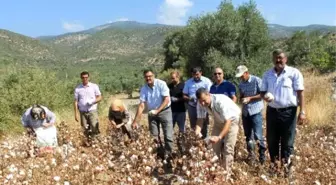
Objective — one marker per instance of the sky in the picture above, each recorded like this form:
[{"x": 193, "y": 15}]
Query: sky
[{"x": 52, "y": 17}]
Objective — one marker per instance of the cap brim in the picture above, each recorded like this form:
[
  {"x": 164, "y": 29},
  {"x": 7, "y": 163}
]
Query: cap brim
[{"x": 239, "y": 75}]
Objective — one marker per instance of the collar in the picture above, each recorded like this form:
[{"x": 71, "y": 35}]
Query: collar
[
  {"x": 88, "y": 85},
  {"x": 154, "y": 84},
  {"x": 286, "y": 68},
  {"x": 212, "y": 99},
  {"x": 250, "y": 79},
  {"x": 201, "y": 79},
  {"x": 220, "y": 83}
]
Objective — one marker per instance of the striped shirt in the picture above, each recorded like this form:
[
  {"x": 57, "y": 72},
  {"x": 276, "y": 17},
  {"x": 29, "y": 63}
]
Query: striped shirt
[
  {"x": 191, "y": 86},
  {"x": 222, "y": 108},
  {"x": 283, "y": 87},
  {"x": 251, "y": 88}
]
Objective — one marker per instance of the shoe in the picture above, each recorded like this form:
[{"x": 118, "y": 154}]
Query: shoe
[
  {"x": 288, "y": 170},
  {"x": 274, "y": 170},
  {"x": 262, "y": 161},
  {"x": 250, "y": 160}
]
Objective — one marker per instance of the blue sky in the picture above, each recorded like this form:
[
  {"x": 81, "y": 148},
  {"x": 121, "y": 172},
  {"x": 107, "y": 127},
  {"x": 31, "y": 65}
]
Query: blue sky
[{"x": 52, "y": 17}]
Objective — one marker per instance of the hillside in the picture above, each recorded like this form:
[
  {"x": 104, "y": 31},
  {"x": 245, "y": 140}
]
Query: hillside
[
  {"x": 279, "y": 31},
  {"x": 110, "y": 41},
  {"x": 106, "y": 42},
  {"x": 16, "y": 47}
]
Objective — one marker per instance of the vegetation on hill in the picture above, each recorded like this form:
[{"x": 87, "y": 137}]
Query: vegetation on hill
[{"x": 234, "y": 36}]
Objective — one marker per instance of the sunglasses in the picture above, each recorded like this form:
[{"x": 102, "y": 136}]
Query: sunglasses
[
  {"x": 217, "y": 73},
  {"x": 84, "y": 77}
]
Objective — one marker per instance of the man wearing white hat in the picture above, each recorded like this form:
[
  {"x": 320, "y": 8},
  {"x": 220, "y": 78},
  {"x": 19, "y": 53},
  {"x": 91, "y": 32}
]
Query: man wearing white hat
[
  {"x": 249, "y": 89},
  {"x": 284, "y": 85}
]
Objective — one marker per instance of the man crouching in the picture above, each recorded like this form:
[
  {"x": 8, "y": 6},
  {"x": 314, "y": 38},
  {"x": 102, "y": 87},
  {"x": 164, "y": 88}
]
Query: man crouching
[{"x": 226, "y": 118}]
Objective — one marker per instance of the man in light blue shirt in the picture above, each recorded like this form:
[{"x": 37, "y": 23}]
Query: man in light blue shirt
[
  {"x": 189, "y": 94},
  {"x": 282, "y": 87},
  {"x": 155, "y": 94}
]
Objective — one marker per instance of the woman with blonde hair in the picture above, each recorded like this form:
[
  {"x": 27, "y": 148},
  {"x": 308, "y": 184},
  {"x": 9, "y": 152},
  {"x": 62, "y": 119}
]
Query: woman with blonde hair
[{"x": 120, "y": 117}]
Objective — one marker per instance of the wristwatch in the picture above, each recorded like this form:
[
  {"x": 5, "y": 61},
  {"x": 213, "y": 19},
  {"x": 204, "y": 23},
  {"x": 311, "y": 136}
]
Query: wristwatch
[{"x": 303, "y": 112}]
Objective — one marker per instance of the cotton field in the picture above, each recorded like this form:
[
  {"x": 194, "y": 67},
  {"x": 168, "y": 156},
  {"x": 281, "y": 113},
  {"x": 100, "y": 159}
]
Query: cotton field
[{"x": 115, "y": 160}]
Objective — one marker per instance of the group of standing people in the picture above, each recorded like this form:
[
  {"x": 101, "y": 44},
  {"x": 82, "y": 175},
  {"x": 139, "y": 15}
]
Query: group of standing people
[{"x": 281, "y": 87}]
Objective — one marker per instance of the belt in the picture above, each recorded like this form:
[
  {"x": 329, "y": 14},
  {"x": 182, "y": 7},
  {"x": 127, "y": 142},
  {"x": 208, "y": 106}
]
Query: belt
[
  {"x": 281, "y": 109},
  {"x": 165, "y": 109},
  {"x": 87, "y": 111}
]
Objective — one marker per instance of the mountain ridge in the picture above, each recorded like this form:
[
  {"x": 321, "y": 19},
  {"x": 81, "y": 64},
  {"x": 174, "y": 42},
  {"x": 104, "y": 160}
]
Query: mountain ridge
[{"x": 108, "y": 42}]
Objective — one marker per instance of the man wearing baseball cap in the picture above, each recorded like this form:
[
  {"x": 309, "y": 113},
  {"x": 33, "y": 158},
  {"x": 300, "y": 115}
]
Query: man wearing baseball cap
[{"x": 249, "y": 89}]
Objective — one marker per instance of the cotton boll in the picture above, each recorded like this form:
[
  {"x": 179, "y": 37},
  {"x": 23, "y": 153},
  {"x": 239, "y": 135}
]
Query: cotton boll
[
  {"x": 214, "y": 159},
  {"x": 57, "y": 178},
  {"x": 129, "y": 179}
]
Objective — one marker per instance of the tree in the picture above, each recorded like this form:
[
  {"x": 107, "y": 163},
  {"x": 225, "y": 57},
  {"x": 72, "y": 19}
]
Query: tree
[{"x": 224, "y": 38}]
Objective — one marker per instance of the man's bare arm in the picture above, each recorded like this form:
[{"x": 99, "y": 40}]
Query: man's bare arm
[
  {"x": 98, "y": 99},
  {"x": 225, "y": 130},
  {"x": 301, "y": 99},
  {"x": 163, "y": 104},
  {"x": 186, "y": 97},
  {"x": 234, "y": 98},
  {"x": 140, "y": 109},
  {"x": 199, "y": 125}
]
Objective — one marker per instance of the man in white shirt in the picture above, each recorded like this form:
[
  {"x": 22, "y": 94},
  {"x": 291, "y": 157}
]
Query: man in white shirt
[
  {"x": 87, "y": 95},
  {"x": 226, "y": 118},
  {"x": 282, "y": 87}
]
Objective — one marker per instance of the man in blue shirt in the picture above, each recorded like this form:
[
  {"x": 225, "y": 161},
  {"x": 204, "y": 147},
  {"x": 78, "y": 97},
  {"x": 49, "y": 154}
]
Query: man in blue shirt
[
  {"x": 249, "y": 88},
  {"x": 282, "y": 87},
  {"x": 155, "y": 93},
  {"x": 222, "y": 86},
  {"x": 189, "y": 91}
]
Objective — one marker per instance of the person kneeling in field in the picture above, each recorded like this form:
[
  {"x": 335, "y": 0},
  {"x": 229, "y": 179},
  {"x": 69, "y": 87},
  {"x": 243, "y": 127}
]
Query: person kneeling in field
[
  {"x": 120, "y": 117},
  {"x": 39, "y": 121},
  {"x": 226, "y": 118}
]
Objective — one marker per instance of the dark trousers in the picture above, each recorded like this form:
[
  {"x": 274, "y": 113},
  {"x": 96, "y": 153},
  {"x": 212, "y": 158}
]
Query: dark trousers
[
  {"x": 192, "y": 112},
  {"x": 179, "y": 118},
  {"x": 280, "y": 127},
  {"x": 253, "y": 131},
  {"x": 164, "y": 118}
]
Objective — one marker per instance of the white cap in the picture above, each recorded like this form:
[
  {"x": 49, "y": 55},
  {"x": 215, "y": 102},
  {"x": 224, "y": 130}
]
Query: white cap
[{"x": 241, "y": 70}]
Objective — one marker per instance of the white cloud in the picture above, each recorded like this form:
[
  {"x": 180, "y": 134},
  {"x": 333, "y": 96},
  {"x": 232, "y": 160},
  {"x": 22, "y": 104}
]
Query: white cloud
[
  {"x": 119, "y": 19},
  {"x": 172, "y": 12},
  {"x": 74, "y": 26}
]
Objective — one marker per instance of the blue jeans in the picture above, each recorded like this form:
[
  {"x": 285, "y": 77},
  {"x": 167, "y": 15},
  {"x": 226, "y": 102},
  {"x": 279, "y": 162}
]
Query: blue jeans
[
  {"x": 280, "y": 127},
  {"x": 253, "y": 131},
  {"x": 179, "y": 118},
  {"x": 192, "y": 111}
]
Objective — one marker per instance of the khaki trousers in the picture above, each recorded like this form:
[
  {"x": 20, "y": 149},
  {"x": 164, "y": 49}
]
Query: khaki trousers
[
  {"x": 89, "y": 122},
  {"x": 225, "y": 151}
]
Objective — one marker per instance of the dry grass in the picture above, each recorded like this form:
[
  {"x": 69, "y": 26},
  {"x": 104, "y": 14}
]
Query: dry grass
[{"x": 319, "y": 105}]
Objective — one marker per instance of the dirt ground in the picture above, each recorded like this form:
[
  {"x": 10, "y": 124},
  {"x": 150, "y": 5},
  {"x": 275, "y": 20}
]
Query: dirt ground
[{"x": 114, "y": 160}]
